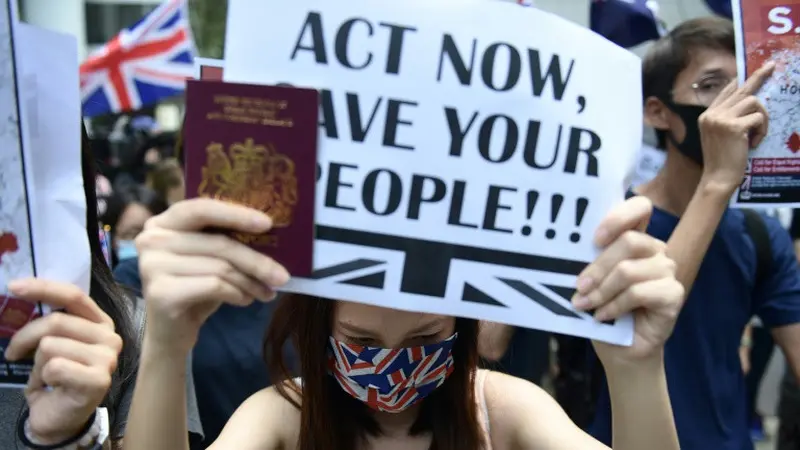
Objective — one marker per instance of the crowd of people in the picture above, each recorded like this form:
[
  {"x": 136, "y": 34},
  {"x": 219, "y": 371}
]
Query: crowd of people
[{"x": 185, "y": 341}]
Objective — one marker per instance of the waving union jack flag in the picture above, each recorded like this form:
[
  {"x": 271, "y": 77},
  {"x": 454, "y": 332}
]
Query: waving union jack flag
[{"x": 143, "y": 64}]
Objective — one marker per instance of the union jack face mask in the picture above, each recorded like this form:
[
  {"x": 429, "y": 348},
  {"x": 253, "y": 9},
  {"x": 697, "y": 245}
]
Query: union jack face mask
[{"x": 390, "y": 379}]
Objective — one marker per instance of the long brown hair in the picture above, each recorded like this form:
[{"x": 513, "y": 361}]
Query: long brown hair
[{"x": 333, "y": 420}]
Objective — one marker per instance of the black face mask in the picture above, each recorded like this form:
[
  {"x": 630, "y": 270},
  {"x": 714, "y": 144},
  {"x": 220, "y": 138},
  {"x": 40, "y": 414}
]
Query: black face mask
[{"x": 691, "y": 147}]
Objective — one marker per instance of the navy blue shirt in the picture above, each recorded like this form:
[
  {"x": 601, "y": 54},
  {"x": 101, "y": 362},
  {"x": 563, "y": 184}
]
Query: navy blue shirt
[
  {"x": 704, "y": 375},
  {"x": 227, "y": 358},
  {"x": 527, "y": 355}
]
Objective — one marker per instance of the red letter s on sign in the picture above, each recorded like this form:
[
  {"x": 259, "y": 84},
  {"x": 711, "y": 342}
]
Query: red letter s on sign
[{"x": 780, "y": 19}]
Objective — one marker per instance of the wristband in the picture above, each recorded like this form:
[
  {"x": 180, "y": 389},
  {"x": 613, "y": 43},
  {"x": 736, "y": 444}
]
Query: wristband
[
  {"x": 91, "y": 436},
  {"x": 746, "y": 342},
  {"x": 98, "y": 432}
]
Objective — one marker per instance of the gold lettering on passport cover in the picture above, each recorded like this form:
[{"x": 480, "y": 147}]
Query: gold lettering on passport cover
[
  {"x": 253, "y": 175},
  {"x": 256, "y": 146},
  {"x": 250, "y": 110}
]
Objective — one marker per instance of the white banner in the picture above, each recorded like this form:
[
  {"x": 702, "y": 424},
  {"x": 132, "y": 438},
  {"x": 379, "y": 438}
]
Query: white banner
[{"x": 468, "y": 149}]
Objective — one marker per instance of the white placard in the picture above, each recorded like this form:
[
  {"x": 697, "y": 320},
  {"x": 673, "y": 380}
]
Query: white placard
[
  {"x": 42, "y": 185},
  {"x": 49, "y": 64},
  {"x": 468, "y": 149},
  {"x": 17, "y": 199}
]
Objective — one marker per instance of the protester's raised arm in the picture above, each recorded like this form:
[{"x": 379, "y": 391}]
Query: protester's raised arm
[
  {"x": 157, "y": 419},
  {"x": 732, "y": 125},
  {"x": 187, "y": 274},
  {"x": 530, "y": 419},
  {"x": 633, "y": 275},
  {"x": 640, "y": 406}
]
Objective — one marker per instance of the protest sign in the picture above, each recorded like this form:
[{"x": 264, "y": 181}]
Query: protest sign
[
  {"x": 16, "y": 248},
  {"x": 770, "y": 30},
  {"x": 468, "y": 149},
  {"x": 42, "y": 197}
]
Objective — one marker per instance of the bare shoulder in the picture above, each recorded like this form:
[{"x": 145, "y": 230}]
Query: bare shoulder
[
  {"x": 504, "y": 392},
  {"x": 523, "y": 415},
  {"x": 266, "y": 420}
]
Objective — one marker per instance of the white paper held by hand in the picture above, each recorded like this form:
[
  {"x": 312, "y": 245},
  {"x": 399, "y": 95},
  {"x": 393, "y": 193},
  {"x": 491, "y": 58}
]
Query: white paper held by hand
[{"x": 49, "y": 63}]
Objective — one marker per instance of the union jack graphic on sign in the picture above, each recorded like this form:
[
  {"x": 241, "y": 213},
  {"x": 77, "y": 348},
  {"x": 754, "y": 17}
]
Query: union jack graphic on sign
[{"x": 142, "y": 65}]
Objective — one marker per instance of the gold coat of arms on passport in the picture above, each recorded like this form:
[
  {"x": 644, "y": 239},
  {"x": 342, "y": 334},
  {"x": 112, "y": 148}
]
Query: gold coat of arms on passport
[{"x": 254, "y": 175}]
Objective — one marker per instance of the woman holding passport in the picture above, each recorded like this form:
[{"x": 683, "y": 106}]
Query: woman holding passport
[{"x": 441, "y": 401}]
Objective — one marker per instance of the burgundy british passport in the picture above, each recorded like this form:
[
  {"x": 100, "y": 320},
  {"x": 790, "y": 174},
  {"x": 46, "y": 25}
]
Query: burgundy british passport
[{"x": 257, "y": 146}]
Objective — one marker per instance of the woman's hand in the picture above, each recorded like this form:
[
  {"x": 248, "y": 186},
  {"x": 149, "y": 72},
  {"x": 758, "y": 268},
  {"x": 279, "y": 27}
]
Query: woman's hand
[
  {"x": 74, "y": 353},
  {"x": 187, "y": 274},
  {"x": 632, "y": 274}
]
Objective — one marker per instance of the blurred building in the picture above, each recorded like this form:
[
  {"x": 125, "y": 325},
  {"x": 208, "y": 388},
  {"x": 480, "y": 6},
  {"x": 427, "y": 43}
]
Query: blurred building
[
  {"x": 672, "y": 12},
  {"x": 93, "y": 23}
]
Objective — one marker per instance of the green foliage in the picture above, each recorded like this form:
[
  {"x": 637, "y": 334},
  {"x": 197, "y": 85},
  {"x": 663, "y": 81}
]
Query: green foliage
[{"x": 208, "y": 25}]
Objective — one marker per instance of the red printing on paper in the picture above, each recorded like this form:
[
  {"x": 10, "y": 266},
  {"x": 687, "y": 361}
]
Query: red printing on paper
[
  {"x": 793, "y": 143},
  {"x": 8, "y": 244}
]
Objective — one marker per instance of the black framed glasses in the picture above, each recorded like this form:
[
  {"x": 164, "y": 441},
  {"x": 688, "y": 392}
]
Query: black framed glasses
[{"x": 708, "y": 88}]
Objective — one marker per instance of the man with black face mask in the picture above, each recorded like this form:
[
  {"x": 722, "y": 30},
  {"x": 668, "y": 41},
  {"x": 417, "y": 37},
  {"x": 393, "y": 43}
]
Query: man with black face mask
[{"x": 707, "y": 124}]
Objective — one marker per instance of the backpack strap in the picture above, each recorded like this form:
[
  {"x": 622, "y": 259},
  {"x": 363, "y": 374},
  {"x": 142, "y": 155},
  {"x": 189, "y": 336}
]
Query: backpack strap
[{"x": 756, "y": 228}]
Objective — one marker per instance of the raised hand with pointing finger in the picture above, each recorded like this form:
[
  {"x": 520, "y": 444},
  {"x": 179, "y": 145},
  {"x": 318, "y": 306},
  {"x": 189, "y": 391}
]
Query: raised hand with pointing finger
[{"x": 734, "y": 123}]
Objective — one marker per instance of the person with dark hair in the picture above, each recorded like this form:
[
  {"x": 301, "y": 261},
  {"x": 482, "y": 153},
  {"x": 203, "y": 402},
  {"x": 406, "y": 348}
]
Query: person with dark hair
[
  {"x": 735, "y": 264},
  {"x": 135, "y": 148},
  {"x": 85, "y": 356},
  {"x": 126, "y": 212},
  {"x": 439, "y": 401}
]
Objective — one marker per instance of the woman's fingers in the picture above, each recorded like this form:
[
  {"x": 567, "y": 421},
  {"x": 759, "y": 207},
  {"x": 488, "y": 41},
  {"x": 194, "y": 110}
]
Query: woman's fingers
[
  {"x": 214, "y": 287},
  {"x": 99, "y": 356},
  {"x": 655, "y": 295},
  {"x": 243, "y": 258},
  {"x": 59, "y": 372},
  {"x": 626, "y": 274},
  {"x": 186, "y": 291},
  {"x": 184, "y": 266},
  {"x": 633, "y": 214},
  {"x": 59, "y": 296},
  {"x": 200, "y": 213},
  {"x": 630, "y": 245},
  {"x": 27, "y": 339}
]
